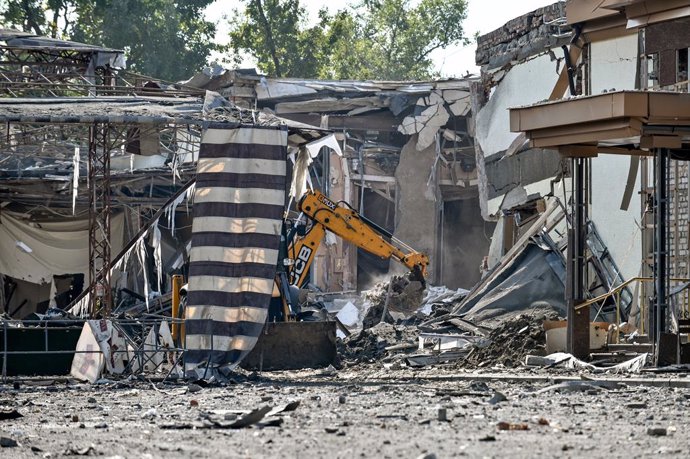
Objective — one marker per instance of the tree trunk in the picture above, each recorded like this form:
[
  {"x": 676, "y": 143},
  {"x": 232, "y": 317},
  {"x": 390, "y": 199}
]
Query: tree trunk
[{"x": 269, "y": 38}]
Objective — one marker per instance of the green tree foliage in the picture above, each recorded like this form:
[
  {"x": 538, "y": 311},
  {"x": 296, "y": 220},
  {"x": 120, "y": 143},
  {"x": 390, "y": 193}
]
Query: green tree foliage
[
  {"x": 275, "y": 34},
  {"x": 168, "y": 39},
  {"x": 376, "y": 39}
]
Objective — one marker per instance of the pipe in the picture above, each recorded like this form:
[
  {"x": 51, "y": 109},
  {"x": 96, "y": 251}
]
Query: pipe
[
  {"x": 568, "y": 63},
  {"x": 177, "y": 281}
]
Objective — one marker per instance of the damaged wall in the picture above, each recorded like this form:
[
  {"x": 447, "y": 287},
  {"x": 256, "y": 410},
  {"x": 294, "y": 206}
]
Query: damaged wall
[
  {"x": 516, "y": 75},
  {"x": 613, "y": 64},
  {"x": 525, "y": 83},
  {"x": 417, "y": 204},
  {"x": 465, "y": 243},
  {"x": 373, "y": 121},
  {"x": 522, "y": 37},
  {"x": 665, "y": 40}
]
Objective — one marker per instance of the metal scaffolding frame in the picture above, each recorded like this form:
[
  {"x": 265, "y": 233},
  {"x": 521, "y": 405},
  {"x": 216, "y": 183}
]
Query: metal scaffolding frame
[
  {"x": 104, "y": 192},
  {"x": 135, "y": 331},
  {"x": 99, "y": 219},
  {"x": 52, "y": 71}
]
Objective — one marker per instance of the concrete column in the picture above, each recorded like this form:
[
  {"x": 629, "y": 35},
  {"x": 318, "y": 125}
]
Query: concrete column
[{"x": 417, "y": 216}]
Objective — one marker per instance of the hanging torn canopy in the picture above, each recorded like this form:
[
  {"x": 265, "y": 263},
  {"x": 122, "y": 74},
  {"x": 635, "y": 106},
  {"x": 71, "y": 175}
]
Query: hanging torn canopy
[{"x": 239, "y": 202}]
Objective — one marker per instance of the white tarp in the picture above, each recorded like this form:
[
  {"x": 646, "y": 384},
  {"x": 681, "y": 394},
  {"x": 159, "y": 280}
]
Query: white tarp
[
  {"x": 101, "y": 349},
  {"x": 565, "y": 360},
  {"x": 35, "y": 251},
  {"x": 89, "y": 361}
]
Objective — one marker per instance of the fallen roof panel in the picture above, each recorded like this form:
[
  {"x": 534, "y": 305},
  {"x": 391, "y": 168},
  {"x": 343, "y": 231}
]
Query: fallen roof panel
[{"x": 29, "y": 41}]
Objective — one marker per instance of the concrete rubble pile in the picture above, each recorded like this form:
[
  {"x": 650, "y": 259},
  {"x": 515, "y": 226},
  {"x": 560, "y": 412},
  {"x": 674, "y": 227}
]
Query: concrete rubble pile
[
  {"x": 513, "y": 340},
  {"x": 397, "y": 325},
  {"x": 402, "y": 323},
  {"x": 400, "y": 296}
]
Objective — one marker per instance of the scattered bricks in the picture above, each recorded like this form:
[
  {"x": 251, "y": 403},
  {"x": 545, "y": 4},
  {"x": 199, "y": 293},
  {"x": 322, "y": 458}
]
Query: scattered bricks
[{"x": 512, "y": 426}]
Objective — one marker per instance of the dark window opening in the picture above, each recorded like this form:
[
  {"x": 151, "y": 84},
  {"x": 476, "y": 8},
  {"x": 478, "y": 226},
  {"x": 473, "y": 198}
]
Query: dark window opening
[
  {"x": 652, "y": 70},
  {"x": 682, "y": 67}
]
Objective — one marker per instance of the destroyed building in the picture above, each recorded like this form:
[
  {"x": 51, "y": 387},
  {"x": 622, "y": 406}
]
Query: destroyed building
[
  {"x": 151, "y": 234},
  {"x": 99, "y": 172},
  {"x": 587, "y": 48},
  {"x": 91, "y": 153},
  {"x": 100, "y": 164},
  {"x": 408, "y": 164}
]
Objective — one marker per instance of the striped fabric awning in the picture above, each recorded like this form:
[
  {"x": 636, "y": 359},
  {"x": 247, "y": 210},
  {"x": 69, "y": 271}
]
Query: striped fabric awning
[{"x": 238, "y": 210}]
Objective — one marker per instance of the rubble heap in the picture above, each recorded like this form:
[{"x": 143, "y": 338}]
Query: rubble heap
[
  {"x": 512, "y": 340},
  {"x": 370, "y": 344}
]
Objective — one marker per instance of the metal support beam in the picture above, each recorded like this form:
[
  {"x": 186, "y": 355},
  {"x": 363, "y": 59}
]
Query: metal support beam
[
  {"x": 660, "y": 246},
  {"x": 99, "y": 219},
  {"x": 578, "y": 320}
]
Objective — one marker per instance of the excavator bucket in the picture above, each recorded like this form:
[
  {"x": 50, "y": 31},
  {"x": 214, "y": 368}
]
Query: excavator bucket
[
  {"x": 416, "y": 274},
  {"x": 293, "y": 346}
]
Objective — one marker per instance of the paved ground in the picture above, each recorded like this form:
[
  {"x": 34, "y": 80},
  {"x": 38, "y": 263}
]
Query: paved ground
[{"x": 351, "y": 413}]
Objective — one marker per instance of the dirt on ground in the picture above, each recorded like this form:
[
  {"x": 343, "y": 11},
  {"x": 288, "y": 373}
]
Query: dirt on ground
[{"x": 364, "y": 411}]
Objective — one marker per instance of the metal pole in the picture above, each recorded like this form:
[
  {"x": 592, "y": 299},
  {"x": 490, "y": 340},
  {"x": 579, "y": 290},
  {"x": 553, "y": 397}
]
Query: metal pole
[
  {"x": 660, "y": 252},
  {"x": 4, "y": 350},
  {"x": 578, "y": 320}
]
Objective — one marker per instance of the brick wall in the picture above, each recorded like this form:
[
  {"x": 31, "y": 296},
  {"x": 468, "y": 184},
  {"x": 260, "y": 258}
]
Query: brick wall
[{"x": 522, "y": 37}]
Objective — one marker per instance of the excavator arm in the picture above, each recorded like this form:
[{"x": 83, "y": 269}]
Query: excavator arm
[{"x": 343, "y": 221}]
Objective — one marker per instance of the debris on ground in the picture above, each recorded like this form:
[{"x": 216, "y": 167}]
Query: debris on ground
[
  {"x": 512, "y": 426},
  {"x": 657, "y": 431},
  {"x": 511, "y": 341},
  {"x": 370, "y": 344},
  {"x": 265, "y": 416},
  {"x": 9, "y": 414},
  {"x": 6, "y": 442},
  {"x": 429, "y": 335}
]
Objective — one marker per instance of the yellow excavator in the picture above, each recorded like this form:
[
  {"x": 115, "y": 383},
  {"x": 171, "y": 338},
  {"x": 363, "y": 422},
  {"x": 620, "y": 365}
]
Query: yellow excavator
[
  {"x": 290, "y": 340},
  {"x": 323, "y": 214},
  {"x": 301, "y": 239}
]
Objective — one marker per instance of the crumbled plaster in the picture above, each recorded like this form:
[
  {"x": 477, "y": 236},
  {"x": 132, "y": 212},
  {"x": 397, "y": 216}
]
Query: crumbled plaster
[
  {"x": 432, "y": 113},
  {"x": 527, "y": 83}
]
